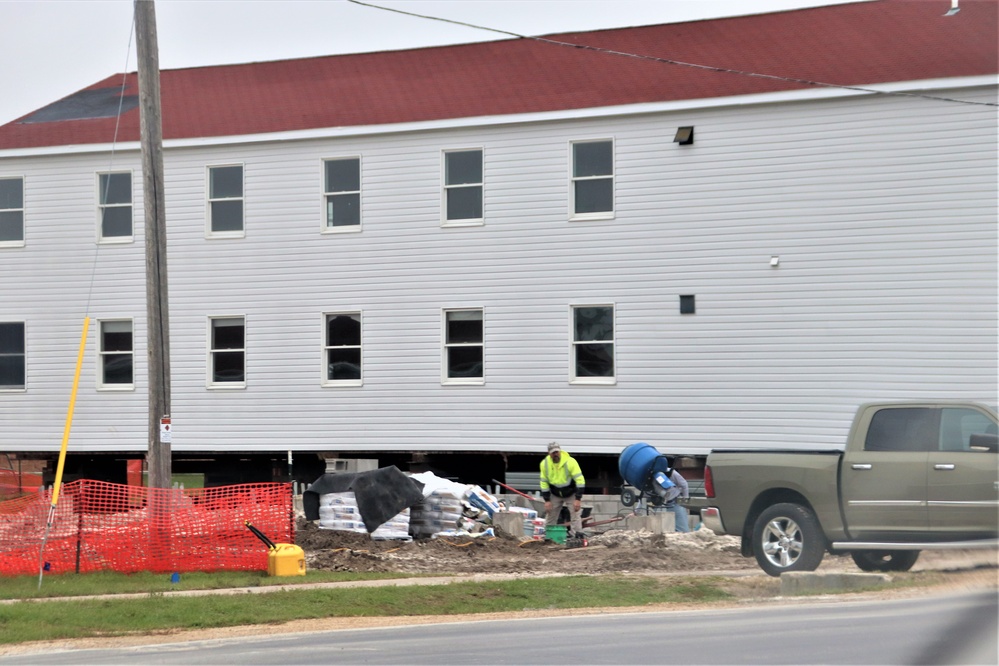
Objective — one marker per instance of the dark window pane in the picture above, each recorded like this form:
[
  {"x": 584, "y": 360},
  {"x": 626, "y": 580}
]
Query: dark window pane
[
  {"x": 227, "y": 216},
  {"x": 11, "y": 225},
  {"x": 594, "y": 360},
  {"x": 343, "y": 364},
  {"x": 903, "y": 429},
  {"x": 343, "y": 210},
  {"x": 594, "y": 323},
  {"x": 116, "y": 188},
  {"x": 464, "y": 362},
  {"x": 12, "y": 338},
  {"x": 226, "y": 182},
  {"x": 116, "y": 222},
  {"x": 463, "y": 167},
  {"x": 343, "y": 330},
  {"x": 592, "y": 159},
  {"x": 228, "y": 367},
  {"x": 464, "y": 203},
  {"x": 343, "y": 175},
  {"x": 117, "y": 368},
  {"x": 116, "y": 336},
  {"x": 11, "y": 371},
  {"x": 11, "y": 193},
  {"x": 594, "y": 196},
  {"x": 464, "y": 327},
  {"x": 227, "y": 334}
]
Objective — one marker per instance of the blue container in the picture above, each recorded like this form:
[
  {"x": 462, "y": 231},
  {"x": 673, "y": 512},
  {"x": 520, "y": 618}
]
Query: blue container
[{"x": 638, "y": 462}]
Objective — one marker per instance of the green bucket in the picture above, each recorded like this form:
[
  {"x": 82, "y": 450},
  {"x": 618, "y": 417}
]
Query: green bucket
[{"x": 555, "y": 533}]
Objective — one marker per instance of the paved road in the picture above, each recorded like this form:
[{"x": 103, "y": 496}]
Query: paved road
[{"x": 956, "y": 629}]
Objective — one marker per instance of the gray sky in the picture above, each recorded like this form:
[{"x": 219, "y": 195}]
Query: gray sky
[{"x": 52, "y": 48}]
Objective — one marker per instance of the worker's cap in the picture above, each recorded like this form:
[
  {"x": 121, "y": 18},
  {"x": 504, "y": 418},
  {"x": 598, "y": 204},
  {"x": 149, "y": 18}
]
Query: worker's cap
[{"x": 553, "y": 446}]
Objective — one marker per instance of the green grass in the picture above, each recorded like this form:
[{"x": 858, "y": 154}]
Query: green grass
[{"x": 49, "y": 620}]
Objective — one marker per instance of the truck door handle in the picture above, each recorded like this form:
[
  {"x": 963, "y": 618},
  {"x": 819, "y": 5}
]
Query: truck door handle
[
  {"x": 943, "y": 466},
  {"x": 862, "y": 466}
]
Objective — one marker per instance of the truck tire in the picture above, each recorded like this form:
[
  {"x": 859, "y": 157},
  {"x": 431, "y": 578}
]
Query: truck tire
[
  {"x": 885, "y": 560},
  {"x": 787, "y": 537}
]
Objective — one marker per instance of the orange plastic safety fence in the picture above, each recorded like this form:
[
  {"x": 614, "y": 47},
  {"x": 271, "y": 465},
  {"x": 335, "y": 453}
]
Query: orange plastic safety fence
[{"x": 101, "y": 526}]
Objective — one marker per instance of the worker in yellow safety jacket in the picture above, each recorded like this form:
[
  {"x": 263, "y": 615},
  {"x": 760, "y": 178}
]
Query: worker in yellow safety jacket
[{"x": 561, "y": 479}]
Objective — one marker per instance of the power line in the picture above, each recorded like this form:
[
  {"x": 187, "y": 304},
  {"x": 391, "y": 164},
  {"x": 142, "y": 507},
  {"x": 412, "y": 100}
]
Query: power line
[{"x": 679, "y": 63}]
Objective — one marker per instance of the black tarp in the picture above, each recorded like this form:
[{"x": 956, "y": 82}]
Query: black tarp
[{"x": 381, "y": 494}]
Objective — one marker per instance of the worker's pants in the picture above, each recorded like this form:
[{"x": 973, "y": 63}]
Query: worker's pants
[
  {"x": 575, "y": 517},
  {"x": 679, "y": 512}
]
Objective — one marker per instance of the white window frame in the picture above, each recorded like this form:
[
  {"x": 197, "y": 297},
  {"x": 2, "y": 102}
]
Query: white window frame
[
  {"x": 102, "y": 353},
  {"x": 324, "y": 223},
  {"x": 210, "y": 365},
  {"x": 102, "y": 207},
  {"x": 445, "y": 188},
  {"x": 20, "y": 210},
  {"x": 326, "y": 348},
  {"x": 573, "y": 179},
  {"x": 447, "y": 346},
  {"x": 24, "y": 354},
  {"x": 209, "y": 200},
  {"x": 574, "y": 344}
]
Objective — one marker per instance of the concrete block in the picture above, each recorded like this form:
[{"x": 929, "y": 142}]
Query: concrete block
[
  {"x": 657, "y": 523},
  {"x": 809, "y": 582},
  {"x": 509, "y": 523}
]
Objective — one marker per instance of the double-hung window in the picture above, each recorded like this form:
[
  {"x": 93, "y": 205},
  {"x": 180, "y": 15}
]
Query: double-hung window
[
  {"x": 592, "y": 344},
  {"x": 462, "y": 196},
  {"x": 342, "y": 194},
  {"x": 11, "y": 212},
  {"x": 592, "y": 188},
  {"x": 117, "y": 364},
  {"x": 463, "y": 347},
  {"x": 12, "y": 356},
  {"x": 114, "y": 196},
  {"x": 342, "y": 349},
  {"x": 227, "y": 353},
  {"x": 225, "y": 201}
]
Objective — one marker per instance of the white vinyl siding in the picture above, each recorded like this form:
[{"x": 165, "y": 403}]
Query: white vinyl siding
[{"x": 883, "y": 215}]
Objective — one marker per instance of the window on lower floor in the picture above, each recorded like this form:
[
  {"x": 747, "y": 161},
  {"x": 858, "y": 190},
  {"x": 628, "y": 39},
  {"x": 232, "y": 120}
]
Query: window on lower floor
[
  {"x": 227, "y": 355},
  {"x": 462, "y": 186},
  {"x": 225, "y": 201},
  {"x": 593, "y": 344},
  {"x": 12, "y": 355},
  {"x": 463, "y": 346},
  {"x": 592, "y": 180},
  {"x": 11, "y": 212},
  {"x": 116, "y": 354},
  {"x": 342, "y": 193},
  {"x": 114, "y": 196},
  {"x": 342, "y": 348}
]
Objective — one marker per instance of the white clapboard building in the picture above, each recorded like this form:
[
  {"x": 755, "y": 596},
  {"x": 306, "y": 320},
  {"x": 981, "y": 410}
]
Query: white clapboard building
[{"x": 447, "y": 257}]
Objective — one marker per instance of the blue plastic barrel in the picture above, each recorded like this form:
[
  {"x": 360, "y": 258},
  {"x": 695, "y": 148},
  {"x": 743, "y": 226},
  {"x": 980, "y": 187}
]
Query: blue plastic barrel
[{"x": 637, "y": 461}]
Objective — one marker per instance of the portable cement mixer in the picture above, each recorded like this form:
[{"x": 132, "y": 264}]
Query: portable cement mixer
[{"x": 643, "y": 467}]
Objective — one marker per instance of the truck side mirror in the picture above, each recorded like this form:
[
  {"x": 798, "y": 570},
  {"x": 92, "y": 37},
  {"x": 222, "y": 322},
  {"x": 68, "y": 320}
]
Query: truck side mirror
[{"x": 988, "y": 442}]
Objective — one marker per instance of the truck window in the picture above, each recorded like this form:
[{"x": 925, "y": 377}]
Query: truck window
[
  {"x": 903, "y": 429},
  {"x": 957, "y": 425}
]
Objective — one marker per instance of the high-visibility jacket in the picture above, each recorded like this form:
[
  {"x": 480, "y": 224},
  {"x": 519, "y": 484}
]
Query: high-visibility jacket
[{"x": 561, "y": 479}]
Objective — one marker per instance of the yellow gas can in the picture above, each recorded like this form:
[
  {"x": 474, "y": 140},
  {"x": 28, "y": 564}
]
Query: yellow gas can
[{"x": 285, "y": 559}]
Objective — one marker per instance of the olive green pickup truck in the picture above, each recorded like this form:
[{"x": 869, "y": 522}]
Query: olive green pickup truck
[{"x": 913, "y": 476}]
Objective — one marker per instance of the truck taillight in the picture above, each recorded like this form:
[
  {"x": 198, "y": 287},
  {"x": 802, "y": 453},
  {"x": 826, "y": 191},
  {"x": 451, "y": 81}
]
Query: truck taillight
[{"x": 709, "y": 483}]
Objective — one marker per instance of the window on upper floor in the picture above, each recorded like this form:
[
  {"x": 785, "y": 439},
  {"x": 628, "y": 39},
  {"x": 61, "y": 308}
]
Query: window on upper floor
[
  {"x": 342, "y": 347},
  {"x": 12, "y": 355},
  {"x": 462, "y": 196},
  {"x": 227, "y": 353},
  {"x": 463, "y": 347},
  {"x": 11, "y": 212},
  {"x": 116, "y": 354},
  {"x": 592, "y": 187},
  {"x": 225, "y": 201},
  {"x": 342, "y": 193},
  {"x": 114, "y": 196},
  {"x": 592, "y": 344}
]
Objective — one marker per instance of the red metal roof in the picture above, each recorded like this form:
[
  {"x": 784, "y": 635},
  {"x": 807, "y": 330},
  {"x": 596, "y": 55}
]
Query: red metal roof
[{"x": 854, "y": 44}]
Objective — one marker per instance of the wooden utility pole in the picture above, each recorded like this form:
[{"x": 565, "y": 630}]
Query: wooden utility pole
[{"x": 158, "y": 457}]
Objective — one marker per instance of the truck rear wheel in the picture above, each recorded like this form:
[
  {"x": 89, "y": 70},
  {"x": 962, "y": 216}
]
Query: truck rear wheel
[
  {"x": 885, "y": 560},
  {"x": 787, "y": 537}
]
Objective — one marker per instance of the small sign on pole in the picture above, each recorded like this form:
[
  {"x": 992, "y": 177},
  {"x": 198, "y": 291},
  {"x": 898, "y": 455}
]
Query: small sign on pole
[{"x": 165, "y": 430}]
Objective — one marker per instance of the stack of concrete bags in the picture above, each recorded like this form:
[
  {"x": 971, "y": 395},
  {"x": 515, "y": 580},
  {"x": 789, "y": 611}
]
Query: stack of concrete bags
[
  {"x": 451, "y": 509},
  {"x": 338, "y": 511},
  {"x": 534, "y": 527}
]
